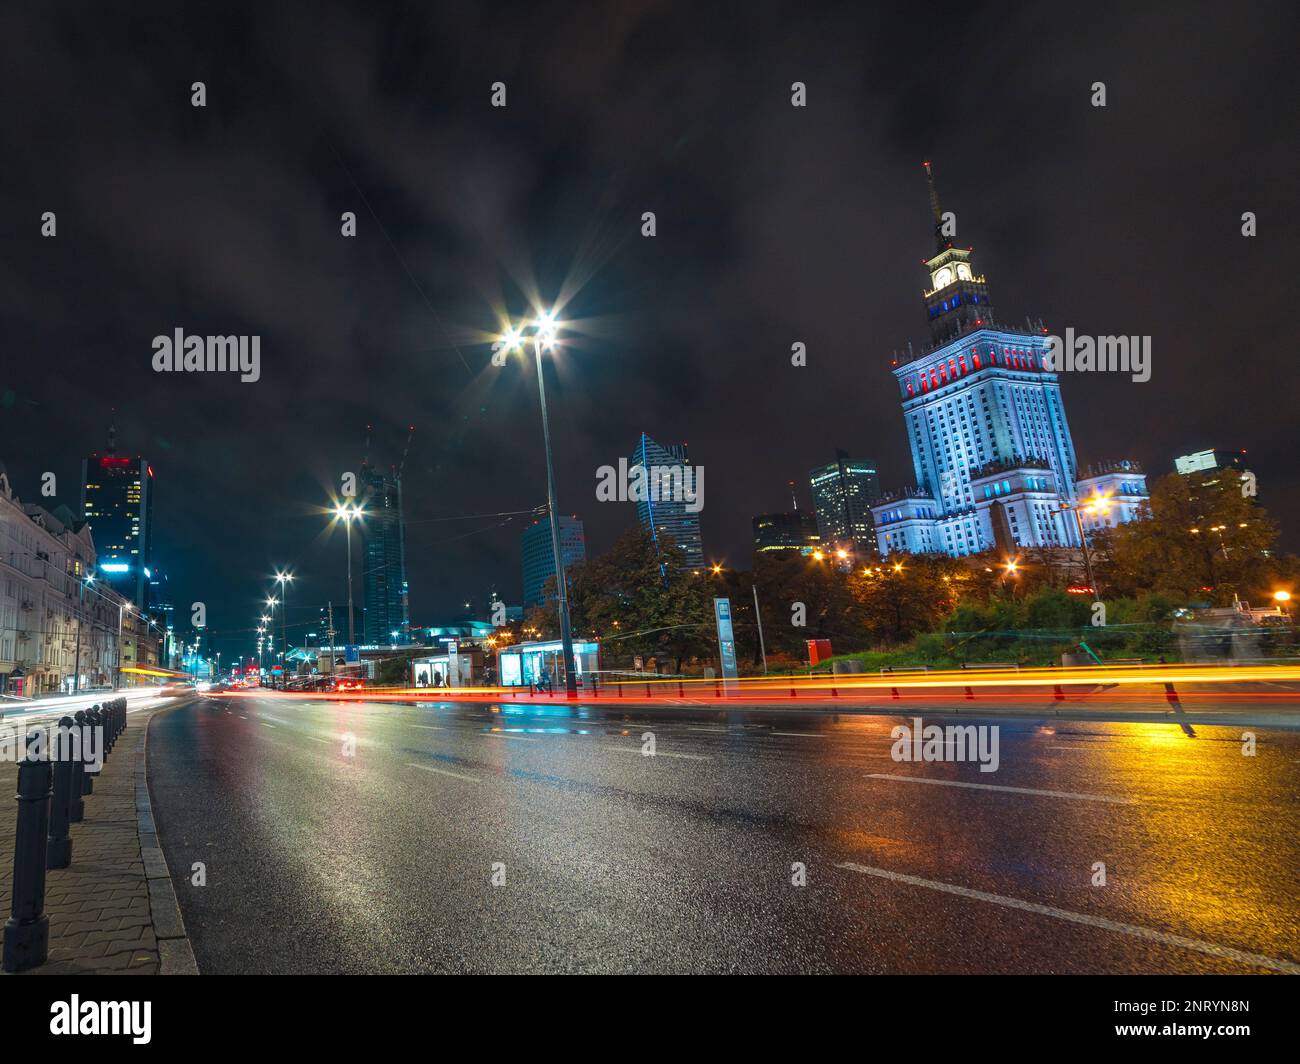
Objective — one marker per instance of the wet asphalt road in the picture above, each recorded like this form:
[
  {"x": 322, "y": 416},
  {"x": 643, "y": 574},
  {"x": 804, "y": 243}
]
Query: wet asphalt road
[{"x": 321, "y": 859}]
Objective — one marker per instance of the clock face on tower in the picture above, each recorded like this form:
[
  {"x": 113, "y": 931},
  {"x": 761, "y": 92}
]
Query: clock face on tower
[
  {"x": 943, "y": 278},
  {"x": 963, "y": 272}
]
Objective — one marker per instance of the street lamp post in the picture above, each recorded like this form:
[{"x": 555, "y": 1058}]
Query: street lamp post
[
  {"x": 348, "y": 514},
  {"x": 272, "y": 601},
  {"x": 1097, "y": 504},
  {"x": 81, "y": 620},
  {"x": 542, "y": 333},
  {"x": 284, "y": 579},
  {"x": 117, "y": 667}
]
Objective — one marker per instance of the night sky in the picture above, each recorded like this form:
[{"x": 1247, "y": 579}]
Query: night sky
[{"x": 775, "y": 224}]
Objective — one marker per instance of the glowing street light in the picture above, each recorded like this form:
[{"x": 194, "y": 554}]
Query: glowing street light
[
  {"x": 347, "y": 513},
  {"x": 542, "y": 331},
  {"x": 284, "y": 579},
  {"x": 1098, "y": 504}
]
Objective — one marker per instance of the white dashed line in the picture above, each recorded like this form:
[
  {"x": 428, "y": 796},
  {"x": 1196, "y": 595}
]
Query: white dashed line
[
  {"x": 1163, "y": 937},
  {"x": 503, "y": 735},
  {"x": 659, "y": 753},
  {"x": 444, "y": 772},
  {"x": 1011, "y": 790}
]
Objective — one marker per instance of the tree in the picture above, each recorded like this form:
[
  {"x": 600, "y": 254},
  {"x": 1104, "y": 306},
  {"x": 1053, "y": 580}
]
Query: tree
[
  {"x": 910, "y": 594},
  {"x": 803, "y": 597},
  {"x": 638, "y": 599},
  {"x": 1199, "y": 537}
]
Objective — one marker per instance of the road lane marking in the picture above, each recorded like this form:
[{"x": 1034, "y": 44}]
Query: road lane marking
[
  {"x": 800, "y": 734},
  {"x": 659, "y": 753},
  {"x": 444, "y": 772},
  {"x": 429, "y": 727},
  {"x": 1163, "y": 937},
  {"x": 243, "y": 716},
  {"x": 1012, "y": 790},
  {"x": 503, "y": 735},
  {"x": 265, "y": 725},
  {"x": 318, "y": 739}
]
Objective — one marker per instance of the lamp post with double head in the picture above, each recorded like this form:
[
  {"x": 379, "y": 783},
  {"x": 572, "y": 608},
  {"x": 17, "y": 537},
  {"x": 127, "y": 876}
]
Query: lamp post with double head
[
  {"x": 347, "y": 513},
  {"x": 542, "y": 331},
  {"x": 284, "y": 579}
]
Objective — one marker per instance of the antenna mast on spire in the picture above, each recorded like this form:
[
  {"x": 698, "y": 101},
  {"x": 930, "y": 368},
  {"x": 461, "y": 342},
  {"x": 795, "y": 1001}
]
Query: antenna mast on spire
[
  {"x": 410, "y": 431},
  {"x": 939, "y": 242}
]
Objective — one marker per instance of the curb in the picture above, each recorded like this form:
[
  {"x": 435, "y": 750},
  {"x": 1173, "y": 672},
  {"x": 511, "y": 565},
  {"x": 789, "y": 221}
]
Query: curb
[{"x": 175, "y": 955}]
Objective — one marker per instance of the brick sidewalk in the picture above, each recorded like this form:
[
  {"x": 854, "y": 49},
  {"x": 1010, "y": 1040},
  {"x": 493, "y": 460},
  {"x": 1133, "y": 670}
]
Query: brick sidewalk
[{"x": 112, "y": 911}]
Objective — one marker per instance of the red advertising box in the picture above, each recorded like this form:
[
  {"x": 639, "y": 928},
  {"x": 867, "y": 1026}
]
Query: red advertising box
[{"x": 818, "y": 650}]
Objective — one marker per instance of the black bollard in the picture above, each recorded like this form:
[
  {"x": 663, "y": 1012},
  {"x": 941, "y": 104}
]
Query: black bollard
[
  {"x": 82, "y": 720},
  {"x": 27, "y": 932},
  {"x": 58, "y": 852},
  {"x": 95, "y": 720}
]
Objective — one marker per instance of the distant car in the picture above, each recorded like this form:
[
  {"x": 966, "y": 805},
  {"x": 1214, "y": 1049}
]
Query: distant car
[
  {"x": 175, "y": 690},
  {"x": 344, "y": 683}
]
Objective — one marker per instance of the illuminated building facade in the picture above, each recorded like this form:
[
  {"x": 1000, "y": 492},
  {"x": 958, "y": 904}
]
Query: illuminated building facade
[
  {"x": 991, "y": 446},
  {"x": 538, "y": 554},
  {"x": 843, "y": 494},
  {"x": 795, "y": 530},
  {"x": 117, "y": 503},
  {"x": 383, "y": 537},
  {"x": 676, "y": 518}
]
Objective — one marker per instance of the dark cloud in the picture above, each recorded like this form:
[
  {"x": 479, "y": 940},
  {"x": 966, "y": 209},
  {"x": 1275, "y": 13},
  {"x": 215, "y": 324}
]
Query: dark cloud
[{"x": 775, "y": 225}]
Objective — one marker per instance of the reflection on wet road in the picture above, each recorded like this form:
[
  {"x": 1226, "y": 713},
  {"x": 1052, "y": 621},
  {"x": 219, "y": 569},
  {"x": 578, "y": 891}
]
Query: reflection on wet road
[{"x": 356, "y": 837}]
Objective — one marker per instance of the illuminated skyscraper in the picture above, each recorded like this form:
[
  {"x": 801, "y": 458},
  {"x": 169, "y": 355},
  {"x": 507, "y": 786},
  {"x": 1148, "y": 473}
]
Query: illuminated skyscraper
[
  {"x": 383, "y": 538},
  {"x": 117, "y": 503},
  {"x": 539, "y": 556},
  {"x": 668, "y": 511},
  {"x": 991, "y": 447},
  {"x": 843, "y": 494}
]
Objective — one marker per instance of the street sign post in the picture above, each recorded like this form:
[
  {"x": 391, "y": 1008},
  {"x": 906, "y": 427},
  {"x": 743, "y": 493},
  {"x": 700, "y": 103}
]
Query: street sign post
[{"x": 726, "y": 641}]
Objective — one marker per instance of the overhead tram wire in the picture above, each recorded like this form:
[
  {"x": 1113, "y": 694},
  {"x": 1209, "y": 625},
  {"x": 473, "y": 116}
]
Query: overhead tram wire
[{"x": 398, "y": 255}]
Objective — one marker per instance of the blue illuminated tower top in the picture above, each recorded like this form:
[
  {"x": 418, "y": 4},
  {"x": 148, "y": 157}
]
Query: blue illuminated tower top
[
  {"x": 958, "y": 297},
  {"x": 991, "y": 446}
]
